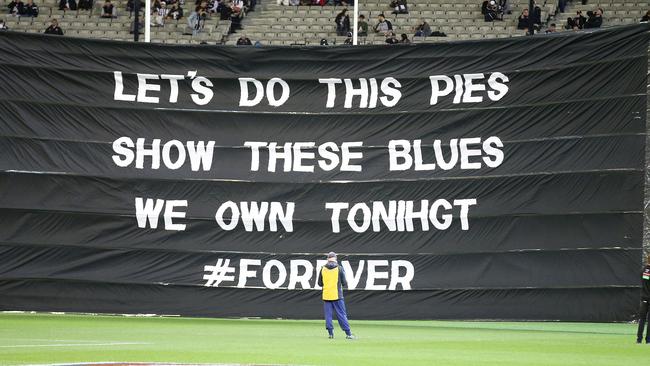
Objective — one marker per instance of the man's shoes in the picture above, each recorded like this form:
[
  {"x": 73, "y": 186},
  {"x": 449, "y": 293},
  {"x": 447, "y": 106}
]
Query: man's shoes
[
  {"x": 350, "y": 336},
  {"x": 638, "y": 341},
  {"x": 331, "y": 336}
]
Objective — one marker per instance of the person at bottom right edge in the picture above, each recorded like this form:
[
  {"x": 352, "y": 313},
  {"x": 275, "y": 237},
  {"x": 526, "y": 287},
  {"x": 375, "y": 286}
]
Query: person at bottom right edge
[
  {"x": 332, "y": 279},
  {"x": 645, "y": 300}
]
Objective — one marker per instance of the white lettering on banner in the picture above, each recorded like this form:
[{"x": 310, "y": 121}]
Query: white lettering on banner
[
  {"x": 173, "y": 84},
  {"x": 271, "y": 97},
  {"x": 374, "y": 274},
  {"x": 144, "y": 86},
  {"x": 119, "y": 89},
  {"x": 149, "y": 88},
  {"x": 149, "y": 211},
  {"x": 244, "y": 273},
  {"x": 295, "y": 277},
  {"x": 400, "y": 215},
  {"x": 253, "y": 215},
  {"x": 361, "y": 217},
  {"x": 468, "y": 88},
  {"x": 302, "y": 156},
  {"x": 467, "y": 152},
  {"x": 202, "y": 93},
  {"x": 367, "y": 92},
  {"x": 221, "y": 271},
  {"x": 397, "y": 279},
  {"x": 174, "y": 154},
  {"x": 364, "y": 93},
  {"x": 266, "y": 274},
  {"x": 380, "y": 274}
]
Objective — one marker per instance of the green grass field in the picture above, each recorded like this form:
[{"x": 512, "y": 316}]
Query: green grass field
[{"x": 45, "y": 338}]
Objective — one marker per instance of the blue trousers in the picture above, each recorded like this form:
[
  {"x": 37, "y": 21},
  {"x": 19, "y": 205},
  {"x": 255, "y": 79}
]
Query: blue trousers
[{"x": 337, "y": 306}]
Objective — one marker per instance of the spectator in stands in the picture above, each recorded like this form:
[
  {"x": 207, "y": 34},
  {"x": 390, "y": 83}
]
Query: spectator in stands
[
  {"x": 16, "y": 7},
  {"x": 399, "y": 7},
  {"x": 342, "y": 21},
  {"x": 646, "y": 17},
  {"x": 239, "y": 7},
  {"x": 323, "y": 42},
  {"x": 576, "y": 23},
  {"x": 194, "y": 23},
  {"x": 536, "y": 15},
  {"x": 159, "y": 15},
  {"x": 595, "y": 19},
  {"x": 524, "y": 20},
  {"x": 3, "y": 25},
  {"x": 175, "y": 13},
  {"x": 54, "y": 28},
  {"x": 405, "y": 39},
  {"x": 31, "y": 9},
  {"x": 348, "y": 40},
  {"x": 491, "y": 11},
  {"x": 551, "y": 29},
  {"x": 423, "y": 29},
  {"x": 363, "y": 26},
  {"x": 67, "y": 5},
  {"x": 88, "y": 5},
  {"x": 244, "y": 41},
  {"x": 390, "y": 38},
  {"x": 130, "y": 6},
  {"x": 202, "y": 8},
  {"x": 236, "y": 15},
  {"x": 224, "y": 11},
  {"x": 383, "y": 26},
  {"x": 505, "y": 7},
  {"x": 213, "y": 6},
  {"x": 196, "y": 20},
  {"x": 140, "y": 25},
  {"x": 107, "y": 9}
]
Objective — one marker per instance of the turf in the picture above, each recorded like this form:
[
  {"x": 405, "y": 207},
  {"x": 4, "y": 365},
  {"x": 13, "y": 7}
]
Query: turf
[{"x": 46, "y": 338}]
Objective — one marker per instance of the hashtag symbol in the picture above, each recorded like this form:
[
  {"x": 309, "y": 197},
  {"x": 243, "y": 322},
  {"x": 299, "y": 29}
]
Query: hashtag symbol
[{"x": 218, "y": 273}]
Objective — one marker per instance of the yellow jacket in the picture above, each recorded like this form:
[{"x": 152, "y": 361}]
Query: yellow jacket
[{"x": 332, "y": 280}]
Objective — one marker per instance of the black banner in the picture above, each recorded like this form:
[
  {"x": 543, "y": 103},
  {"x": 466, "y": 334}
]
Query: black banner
[{"x": 498, "y": 180}]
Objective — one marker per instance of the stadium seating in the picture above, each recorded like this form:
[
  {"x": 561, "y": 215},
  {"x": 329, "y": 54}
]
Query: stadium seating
[
  {"x": 89, "y": 24},
  {"x": 617, "y": 12},
  {"x": 459, "y": 19},
  {"x": 273, "y": 24}
]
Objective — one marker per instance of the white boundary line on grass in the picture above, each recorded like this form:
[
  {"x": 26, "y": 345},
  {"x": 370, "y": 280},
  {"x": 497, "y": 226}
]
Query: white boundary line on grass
[
  {"x": 75, "y": 344},
  {"x": 143, "y": 363},
  {"x": 52, "y": 340}
]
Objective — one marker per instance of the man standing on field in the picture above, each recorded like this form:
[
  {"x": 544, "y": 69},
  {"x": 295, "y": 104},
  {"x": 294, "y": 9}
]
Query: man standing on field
[
  {"x": 332, "y": 280},
  {"x": 645, "y": 300}
]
